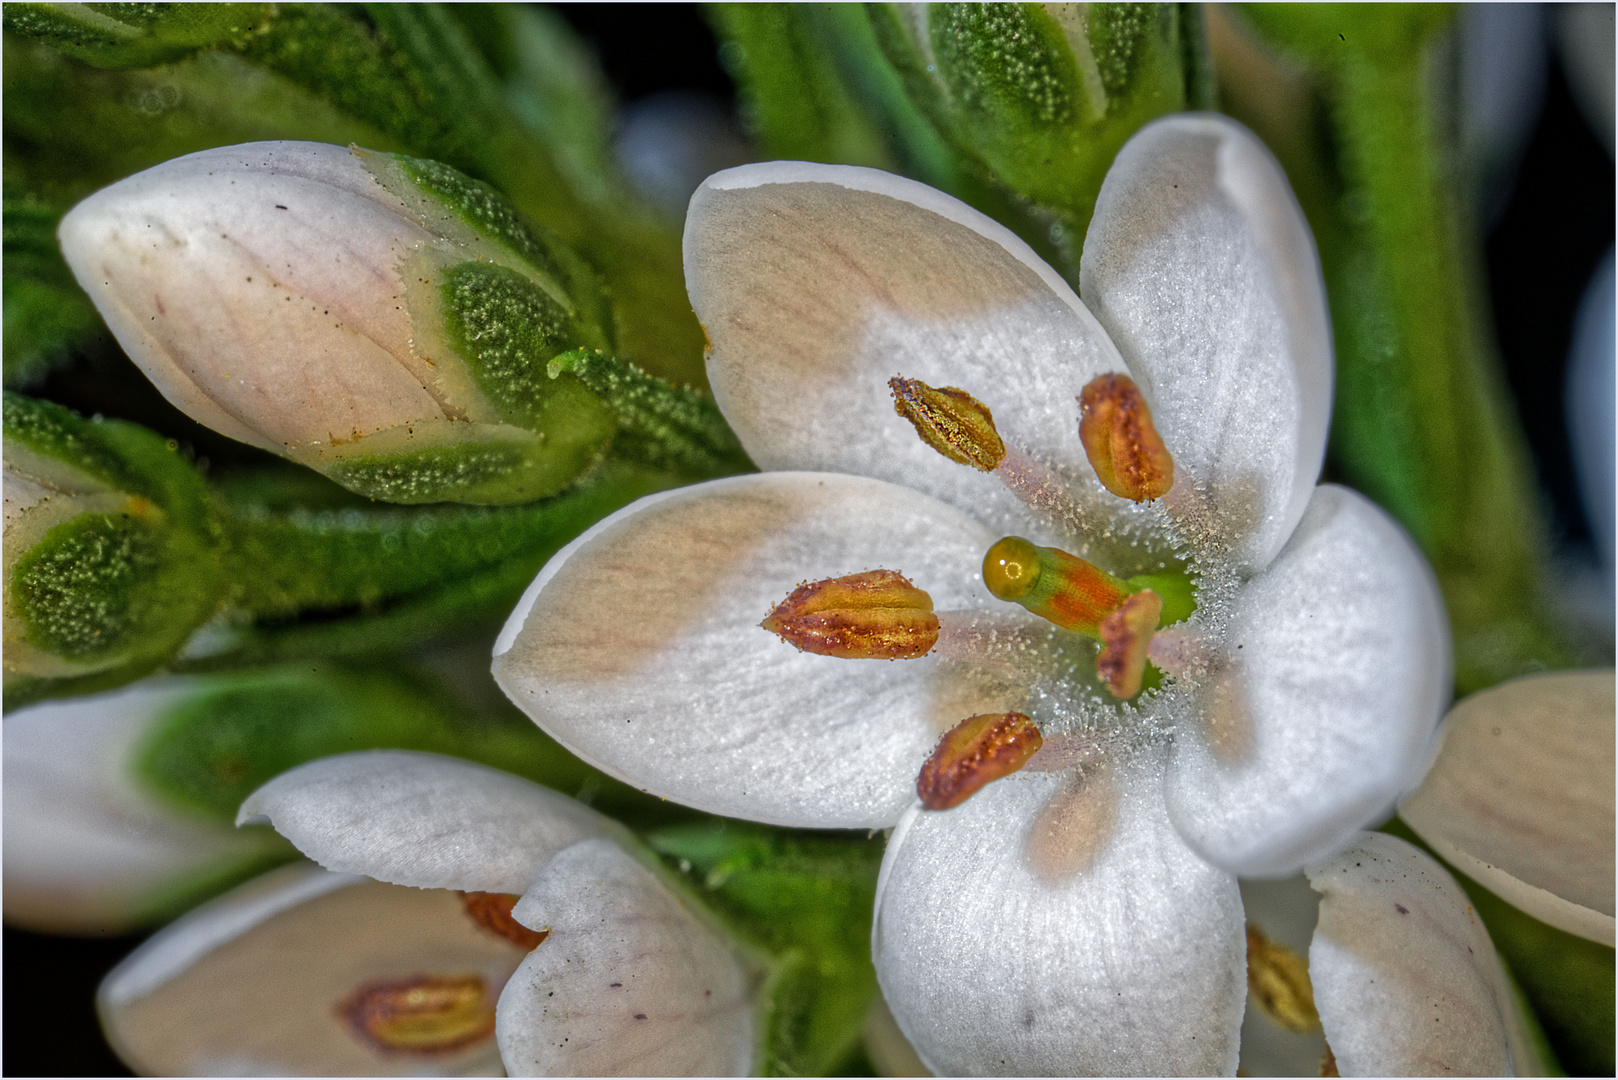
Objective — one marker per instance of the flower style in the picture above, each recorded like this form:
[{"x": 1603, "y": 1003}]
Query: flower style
[
  {"x": 1082, "y": 915},
  {"x": 598, "y": 965}
]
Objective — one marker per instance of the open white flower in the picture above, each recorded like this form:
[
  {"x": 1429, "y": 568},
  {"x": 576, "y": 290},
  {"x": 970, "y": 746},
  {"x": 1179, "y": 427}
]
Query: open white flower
[
  {"x": 1081, "y": 916},
  {"x": 598, "y": 965}
]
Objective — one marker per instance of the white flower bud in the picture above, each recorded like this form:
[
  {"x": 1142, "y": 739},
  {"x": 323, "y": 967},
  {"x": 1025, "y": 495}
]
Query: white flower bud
[{"x": 384, "y": 320}]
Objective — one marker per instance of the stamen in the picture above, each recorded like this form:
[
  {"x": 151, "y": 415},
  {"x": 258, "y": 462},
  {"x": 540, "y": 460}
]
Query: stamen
[
  {"x": 1126, "y": 633},
  {"x": 951, "y": 421},
  {"x": 1124, "y": 447},
  {"x": 492, "y": 911},
  {"x": 420, "y": 1014},
  {"x": 1053, "y": 584},
  {"x": 974, "y": 753},
  {"x": 877, "y": 615},
  {"x": 1278, "y": 982}
]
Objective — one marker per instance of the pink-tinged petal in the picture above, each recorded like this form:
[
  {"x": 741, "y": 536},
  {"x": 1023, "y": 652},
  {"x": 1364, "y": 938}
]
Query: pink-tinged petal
[
  {"x": 1059, "y": 926},
  {"x": 639, "y": 648},
  {"x": 254, "y": 983},
  {"x": 1200, "y": 265},
  {"x": 1321, "y": 710},
  {"x": 1521, "y": 797},
  {"x": 424, "y": 820},
  {"x": 1405, "y": 977},
  {"x": 816, "y": 284},
  {"x": 629, "y": 982}
]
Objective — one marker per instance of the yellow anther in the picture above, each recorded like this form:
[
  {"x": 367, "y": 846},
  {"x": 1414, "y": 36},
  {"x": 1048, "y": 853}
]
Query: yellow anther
[
  {"x": 951, "y": 421},
  {"x": 877, "y": 615},
  {"x": 1278, "y": 982},
  {"x": 1124, "y": 447},
  {"x": 420, "y": 1014},
  {"x": 975, "y": 752}
]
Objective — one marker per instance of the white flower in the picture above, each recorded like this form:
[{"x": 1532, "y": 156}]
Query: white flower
[
  {"x": 1081, "y": 916},
  {"x": 598, "y": 965},
  {"x": 1521, "y": 797},
  {"x": 89, "y": 846}
]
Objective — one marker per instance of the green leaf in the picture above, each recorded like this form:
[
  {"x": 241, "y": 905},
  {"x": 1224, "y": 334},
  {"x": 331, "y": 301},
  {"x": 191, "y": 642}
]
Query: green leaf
[
  {"x": 47, "y": 315},
  {"x": 793, "y": 97},
  {"x": 347, "y": 578},
  {"x": 660, "y": 424},
  {"x": 133, "y": 35},
  {"x": 806, "y": 900}
]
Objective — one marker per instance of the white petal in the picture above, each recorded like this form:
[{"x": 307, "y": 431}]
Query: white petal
[
  {"x": 629, "y": 981},
  {"x": 1521, "y": 797},
  {"x": 88, "y": 848},
  {"x": 424, "y": 820},
  {"x": 1200, "y": 265},
  {"x": 816, "y": 284},
  {"x": 638, "y": 647},
  {"x": 1039, "y": 929},
  {"x": 1336, "y": 670},
  {"x": 258, "y": 287},
  {"x": 1405, "y": 977},
  {"x": 249, "y": 985}
]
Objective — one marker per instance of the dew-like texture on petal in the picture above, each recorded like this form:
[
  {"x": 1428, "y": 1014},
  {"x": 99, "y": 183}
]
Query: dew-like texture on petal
[
  {"x": 1405, "y": 976},
  {"x": 628, "y": 983},
  {"x": 424, "y": 820},
  {"x": 258, "y": 287},
  {"x": 1521, "y": 797},
  {"x": 816, "y": 284},
  {"x": 87, "y": 848},
  {"x": 1324, "y": 704},
  {"x": 251, "y": 984},
  {"x": 639, "y": 648},
  {"x": 1200, "y": 264},
  {"x": 1043, "y": 928}
]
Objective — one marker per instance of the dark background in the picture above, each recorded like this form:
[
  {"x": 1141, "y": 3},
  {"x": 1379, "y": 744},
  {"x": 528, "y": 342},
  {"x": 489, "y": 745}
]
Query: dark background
[{"x": 1541, "y": 252}]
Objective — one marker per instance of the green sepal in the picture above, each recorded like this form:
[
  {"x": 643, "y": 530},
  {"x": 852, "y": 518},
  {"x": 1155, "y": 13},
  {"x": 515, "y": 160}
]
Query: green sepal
[
  {"x": 804, "y": 899},
  {"x": 133, "y": 35},
  {"x": 47, "y": 315},
  {"x": 113, "y": 592},
  {"x": 1042, "y": 102},
  {"x": 659, "y": 424}
]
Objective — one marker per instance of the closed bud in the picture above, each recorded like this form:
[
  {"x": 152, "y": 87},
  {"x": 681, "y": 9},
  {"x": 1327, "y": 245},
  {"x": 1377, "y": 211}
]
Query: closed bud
[
  {"x": 382, "y": 319},
  {"x": 110, "y": 551}
]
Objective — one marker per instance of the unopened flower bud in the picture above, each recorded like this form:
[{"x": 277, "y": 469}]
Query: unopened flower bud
[
  {"x": 951, "y": 421},
  {"x": 383, "y": 319},
  {"x": 877, "y": 615},
  {"x": 974, "y": 753},
  {"x": 110, "y": 551},
  {"x": 1124, "y": 447}
]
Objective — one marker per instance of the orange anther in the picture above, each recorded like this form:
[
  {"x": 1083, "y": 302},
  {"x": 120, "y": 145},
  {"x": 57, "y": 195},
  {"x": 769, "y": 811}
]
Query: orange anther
[
  {"x": 877, "y": 615},
  {"x": 1125, "y": 635},
  {"x": 492, "y": 911},
  {"x": 976, "y": 752},
  {"x": 1124, "y": 447}
]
